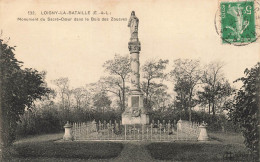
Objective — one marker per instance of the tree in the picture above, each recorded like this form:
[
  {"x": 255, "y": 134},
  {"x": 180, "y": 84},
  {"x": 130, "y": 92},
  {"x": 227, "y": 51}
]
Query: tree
[
  {"x": 112, "y": 84},
  {"x": 186, "y": 74},
  {"x": 225, "y": 95},
  {"x": 181, "y": 87},
  {"x": 245, "y": 110},
  {"x": 101, "y": 101},
  {"x": 63, "y": 88},
  {"x": 158, "y": 96},
  {"x": 119, "y": 66},
  {"x": 215, "y": 88},
  {"x": 79, "y": 94},
  {"x": 19, "y": 88},
  {"x": 152, "y": 69}
]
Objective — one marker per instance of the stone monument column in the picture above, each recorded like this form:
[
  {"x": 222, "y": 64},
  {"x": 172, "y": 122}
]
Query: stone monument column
[
  {"x": 134, "y": 48},
  {"x": 135, "y": 113}
]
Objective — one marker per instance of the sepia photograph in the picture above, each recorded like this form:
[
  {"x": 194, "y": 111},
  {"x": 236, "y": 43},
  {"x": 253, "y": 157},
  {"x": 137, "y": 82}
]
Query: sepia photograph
[{"x": 122, "y": 81}]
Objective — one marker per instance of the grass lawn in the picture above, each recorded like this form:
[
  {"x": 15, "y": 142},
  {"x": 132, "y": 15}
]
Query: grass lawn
[
  {"x": 44, "y": 148},
  {"x": 197, "y": 151},
  {"x": 228, "y": 137},
  {"x": 82, "y": 150}
]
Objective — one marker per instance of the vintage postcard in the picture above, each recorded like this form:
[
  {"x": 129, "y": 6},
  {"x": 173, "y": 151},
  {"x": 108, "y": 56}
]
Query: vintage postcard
[{"x": 92, "y": 80}]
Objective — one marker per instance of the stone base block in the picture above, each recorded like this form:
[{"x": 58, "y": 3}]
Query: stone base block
[{"x": 128, "y": 119}]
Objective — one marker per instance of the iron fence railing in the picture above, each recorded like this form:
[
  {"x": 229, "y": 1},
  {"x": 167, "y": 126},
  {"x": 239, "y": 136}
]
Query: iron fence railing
[{"x": 160, "y": 131}]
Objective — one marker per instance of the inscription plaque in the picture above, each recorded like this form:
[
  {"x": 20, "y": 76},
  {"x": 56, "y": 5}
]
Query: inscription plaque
[{"x": 135, "y": 101}]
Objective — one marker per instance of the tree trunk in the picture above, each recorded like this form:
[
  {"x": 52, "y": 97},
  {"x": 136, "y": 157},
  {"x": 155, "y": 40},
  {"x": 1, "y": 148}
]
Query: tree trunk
[
  {"x": 120, "y": 101},
  {"x": 189, "y": 111},
  {"x": 2, "y": 131},
  {"x": 5, "y": 130},
  {"x": 209, "y": 107},
  {"x": 62, "y": 98},
  {"x": 123, "y": 93},
  {"x": 1, "y": 118},
  {"x": 213, "y": 108},
  {"x": 147, "y": 92},
  {"x": 68, "y": 101},
  {"x": 190, "y": 104},
  {"x": 1, "y": 113}
]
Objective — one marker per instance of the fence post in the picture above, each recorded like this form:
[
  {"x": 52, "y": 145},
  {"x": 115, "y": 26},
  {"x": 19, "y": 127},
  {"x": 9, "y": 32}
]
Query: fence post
[
  {"x": 177, "y": 133},
  {"x": 151, "y": 131},
  {"x": 80, "y": 130},
  {"x": 164, "y": 130},
  {"x": 134, "y": 131},
  {"x": 76, "y": 130},
  {"x": 87, "y": 131},
  {"x": 142, "y": 131},
  {"x": 160, "y": 128},
  {"x": 190, "y": 132},
  {"x": 138, "y": 131},
  {"x": 125, "y": 131},
  {"x": 112, "y": 130},
  {"x": 116, "y": 126},
  {"x": 108, "y": 130},
  {"x": 147, "y": 131},
  {"x": 173, "y": 131},
  {"x": 168, "y": 128},
  {"x": 84, "y": 129}
]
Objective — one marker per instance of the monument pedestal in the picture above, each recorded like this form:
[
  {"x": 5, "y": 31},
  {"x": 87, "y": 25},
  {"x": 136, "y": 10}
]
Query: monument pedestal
[
  {"x": 135, "y": 113},
  {"x": 129, "y": 120}
]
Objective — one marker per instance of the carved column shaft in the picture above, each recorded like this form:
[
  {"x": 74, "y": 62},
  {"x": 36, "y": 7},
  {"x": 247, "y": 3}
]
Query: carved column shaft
[
  {"x": 134, "y": 48},
  {"x": 135, "y": 76}
]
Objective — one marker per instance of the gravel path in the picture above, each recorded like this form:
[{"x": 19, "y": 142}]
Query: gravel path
[{"x": 134, "y": 151}]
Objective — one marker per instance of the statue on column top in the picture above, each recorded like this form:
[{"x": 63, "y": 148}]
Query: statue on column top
[{"x": 133, "y": 24}]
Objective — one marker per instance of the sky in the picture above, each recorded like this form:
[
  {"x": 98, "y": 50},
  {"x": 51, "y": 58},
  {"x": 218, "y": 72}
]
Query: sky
[{"x": 77, "y": 50}]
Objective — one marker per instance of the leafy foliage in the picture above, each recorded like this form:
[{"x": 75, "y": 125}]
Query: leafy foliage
[
  {"x": 19, "y": 88},
  {"x": 246, "y": 107},
  {"x": 101, "y": 101},
  {"x": 158, "y": 98}
]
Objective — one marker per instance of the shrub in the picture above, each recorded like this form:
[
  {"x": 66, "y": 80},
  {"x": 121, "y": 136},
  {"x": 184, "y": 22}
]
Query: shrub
[
  {"x": 49, "y": 118},
  {"x": 245, "y": 110},
  {"x": 218, "y": 122}
]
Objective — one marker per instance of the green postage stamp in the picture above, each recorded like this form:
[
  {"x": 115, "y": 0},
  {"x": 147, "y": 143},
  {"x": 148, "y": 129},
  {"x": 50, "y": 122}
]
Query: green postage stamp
[{"x": 238, "y": 22}]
